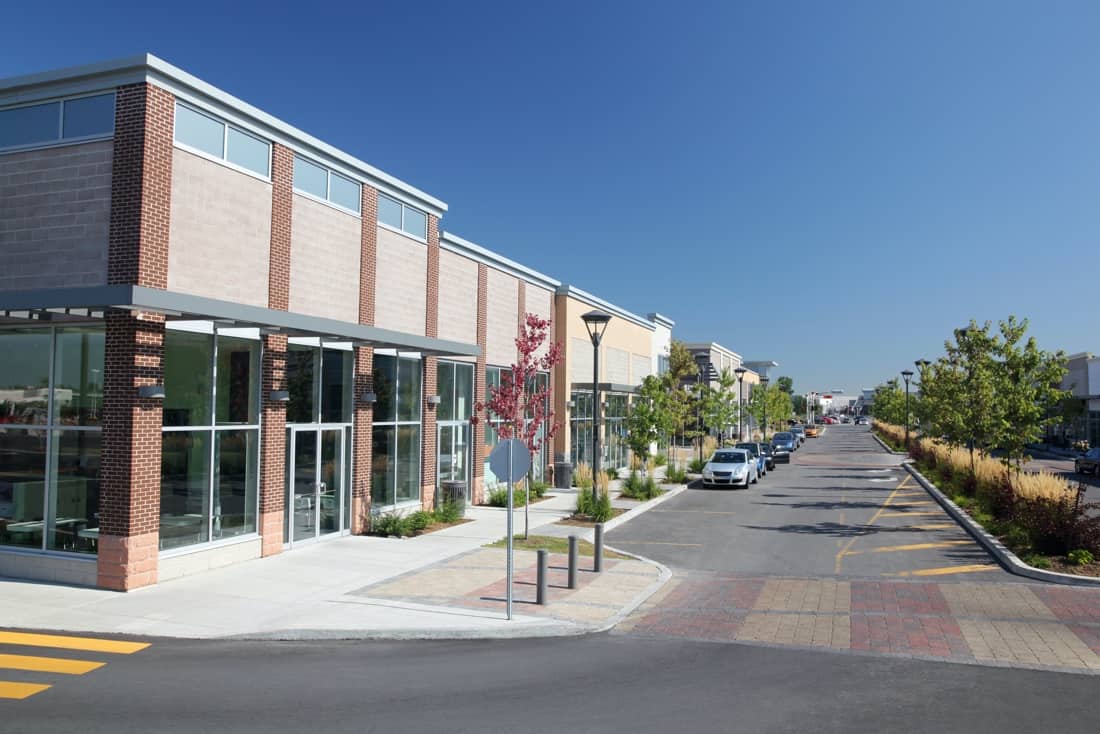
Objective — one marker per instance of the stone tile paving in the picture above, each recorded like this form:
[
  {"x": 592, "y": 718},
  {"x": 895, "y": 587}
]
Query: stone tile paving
[{"x": 1013, "y": 624}]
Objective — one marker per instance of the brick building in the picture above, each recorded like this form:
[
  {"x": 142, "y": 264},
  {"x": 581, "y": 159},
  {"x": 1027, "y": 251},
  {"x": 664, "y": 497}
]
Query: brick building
[{"x": 224, "y": 338}]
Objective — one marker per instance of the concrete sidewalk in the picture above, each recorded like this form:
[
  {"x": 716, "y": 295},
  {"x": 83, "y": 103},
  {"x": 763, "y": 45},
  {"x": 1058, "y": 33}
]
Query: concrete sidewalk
[{"x": 440, "y": 585}]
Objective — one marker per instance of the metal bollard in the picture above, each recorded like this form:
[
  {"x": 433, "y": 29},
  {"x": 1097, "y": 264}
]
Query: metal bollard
[
  {"x": 572, "y": 561},
  {"x": 597, "y": 552},
  {"x": 540, "y": 589}
]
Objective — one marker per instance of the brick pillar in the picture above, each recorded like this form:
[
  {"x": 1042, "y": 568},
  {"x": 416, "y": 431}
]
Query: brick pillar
[
  {"x": 363, "y": 428},
  {"x": 137, "y": 254},
  {"x": 428, "y": 433},
  {"x": 480, "y": 385},
  {"x": 272, "y": 499}
]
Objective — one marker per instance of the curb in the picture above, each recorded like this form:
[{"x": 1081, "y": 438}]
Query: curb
[
  {"x": 886, "y": 446},
  {"x": 1008, "y": 560},
  {"x": 640, "y": 510}
]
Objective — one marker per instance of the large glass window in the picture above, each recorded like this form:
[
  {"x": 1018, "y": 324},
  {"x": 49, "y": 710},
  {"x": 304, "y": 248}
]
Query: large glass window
[
  {"x": 396, "y": 471},
  {"x": 50, "y": 122},
  {"x": 316, "y": 180},
  {"x": 50, "y": 437},
  {"x": 209, "y": 451},
  {"x": 393, "y": 213},
  {"x": 301, "y": 371},
  {"x": 336, "y": 381},
  {"x": 218, "y": 139}
]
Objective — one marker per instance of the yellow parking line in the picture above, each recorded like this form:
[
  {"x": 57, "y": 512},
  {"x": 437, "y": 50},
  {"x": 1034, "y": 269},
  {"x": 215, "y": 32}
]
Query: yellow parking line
[
  {"x": 854, "y": 538},
  {"x": 904, "y": 501},
  {"x": 948, "y": 570},
  {"x": 91, "y": 644},
  {"x": 910, "y": 547},
  {"x": 48, "y": 665},
  {"x": 936, "y": 526},
  {"x": 9, "y": 689},
  {"x": 913, "y": 514}
]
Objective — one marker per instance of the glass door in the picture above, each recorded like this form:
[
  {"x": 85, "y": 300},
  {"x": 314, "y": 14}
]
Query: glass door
[
  {"x": 454, "y": 448},
  {"x": 315, "y": 482}
]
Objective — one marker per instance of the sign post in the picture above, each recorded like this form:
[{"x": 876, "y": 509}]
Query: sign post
[{"x": 510, "y": 461}]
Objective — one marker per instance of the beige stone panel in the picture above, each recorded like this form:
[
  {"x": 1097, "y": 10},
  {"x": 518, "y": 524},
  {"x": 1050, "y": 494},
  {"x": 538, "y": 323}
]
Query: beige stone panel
[
  {"x": 541, "y": 303},
  {"x": 1006, "y": 601},
  {"x": 55, "y": 207},
  {"x": 325, "y": 247},
  {"x": 640, "y": 368},
  {"x": 1030, "y": 643},
  {"x": 620, "y": 334},
  {"x": 219, "y": 238},
  {"x": 401, "y": 294},
  {"x": 502, "y": 299},
  {"x": 457, "y": 297},
  {"x": 616, "y": 368},
  {"x": 804, "y": 595}
]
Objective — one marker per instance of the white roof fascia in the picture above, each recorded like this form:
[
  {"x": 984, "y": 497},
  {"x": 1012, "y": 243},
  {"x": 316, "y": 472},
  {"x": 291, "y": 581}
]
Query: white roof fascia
[
  {"x": 661, "y": 320},
  {"x": 716, "y": 347},
  {"x": 458, "y": 245},
  {"x": 568, "y": 290},
  {"x": 191, "y": 89}
]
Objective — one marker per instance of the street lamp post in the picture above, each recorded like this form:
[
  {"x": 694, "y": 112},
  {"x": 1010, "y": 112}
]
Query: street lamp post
[
  {"x": 908, "y": 375},
  {"x": 740, "y": 371},
  {"x": 764, "y": 381},
  {"x": 596, "y": 324}
]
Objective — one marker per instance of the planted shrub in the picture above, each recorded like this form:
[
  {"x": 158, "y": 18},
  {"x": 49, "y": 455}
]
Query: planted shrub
[
  {"x": 611, "y": 474},
  {"x": 584, "y": 503},
  {"x": 582, "y": 476},
  {"x": 710, "y": 445},
  {"x": 696, "y": 465},
  {"x": 538, "y": 489},
  {"x": 499, "y": 497},
  {"x": 418, "y": 520},
  {"x": 675, "y": 474},
  {"x": 389, "y": 524},
  {"x": 660, "y": 460},
  {"x": 447, "y": 512},
  {"x": 601, "y": 510},
  {"x": 1080, "y": 557}
]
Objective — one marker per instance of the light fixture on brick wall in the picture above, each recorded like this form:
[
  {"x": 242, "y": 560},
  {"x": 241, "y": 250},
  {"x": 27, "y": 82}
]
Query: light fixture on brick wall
[
  {"x": 151, "y": 392},
  {"x": 279, "y": 396},
  {"x": 434, "y": 400},
  {"x": 368, "y": 398}
]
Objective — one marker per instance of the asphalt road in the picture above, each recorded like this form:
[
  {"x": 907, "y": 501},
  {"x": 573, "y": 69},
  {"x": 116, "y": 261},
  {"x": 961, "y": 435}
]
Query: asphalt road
[
  {"x": 842, "y": 508},
  {"x": 594, "y": 684}
]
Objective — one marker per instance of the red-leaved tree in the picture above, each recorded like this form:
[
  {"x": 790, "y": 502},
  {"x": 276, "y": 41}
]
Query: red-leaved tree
[{"x": 519, "y": 401}]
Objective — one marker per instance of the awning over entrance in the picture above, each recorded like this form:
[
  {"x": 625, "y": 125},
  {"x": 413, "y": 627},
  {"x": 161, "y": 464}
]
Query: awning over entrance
[
  {"x": 90, "y": 303},
  {"x": 604, "y": 387}
]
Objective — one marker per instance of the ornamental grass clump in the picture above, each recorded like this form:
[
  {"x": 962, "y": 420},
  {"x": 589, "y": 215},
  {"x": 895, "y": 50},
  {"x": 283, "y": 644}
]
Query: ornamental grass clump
[
  {"x": 582, "y": 476},
  {"x": 710, "y": 445}
]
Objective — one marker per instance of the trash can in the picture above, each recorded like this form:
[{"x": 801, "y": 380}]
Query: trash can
[
  {"x": 453, "y": 492},
  {"x": 563, "y": 475}
]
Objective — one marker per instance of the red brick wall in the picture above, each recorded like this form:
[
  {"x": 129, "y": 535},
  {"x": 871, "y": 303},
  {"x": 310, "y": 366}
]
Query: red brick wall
[
  {"x": 278, "y": 273},
  {"x": 272, "y": 498},
  {"x": 141, "y": 186},
  {"x": 363, "y": 429},
  {"x": 137, "y": 254},
  {"x": 428, "y": 432},
  {"x": 479, "y": 380}
]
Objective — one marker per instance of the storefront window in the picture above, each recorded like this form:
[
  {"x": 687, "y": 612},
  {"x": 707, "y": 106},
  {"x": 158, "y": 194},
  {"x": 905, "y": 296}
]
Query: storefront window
[
  {"x": 50, "y": 437},
  {"x": 209, "y": 474},
  {"x": 336, "y": 380},
  {"x": 301, "y": 369},
  {"x": 396, "y": 470}
]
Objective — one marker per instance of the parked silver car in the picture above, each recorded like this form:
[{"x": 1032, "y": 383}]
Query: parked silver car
[
  {"x": 730, "y": 468},
  {"x": 1088, "y": 462}
]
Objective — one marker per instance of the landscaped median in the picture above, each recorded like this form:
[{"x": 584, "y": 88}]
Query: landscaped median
[{"x": 1038, "y": 517}]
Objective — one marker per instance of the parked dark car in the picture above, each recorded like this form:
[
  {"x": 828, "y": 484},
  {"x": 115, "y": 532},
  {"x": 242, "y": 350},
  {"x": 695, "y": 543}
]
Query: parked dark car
[
  {"x": 769, "y": 455},
  {"x": 1088, "y": 462},
  {"x": 783, "y": 445},
  {"x": 799, "y": 435}
]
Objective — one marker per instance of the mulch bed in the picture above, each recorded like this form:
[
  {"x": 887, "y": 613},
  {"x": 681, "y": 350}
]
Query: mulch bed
[
  {"x": 1062, "y": 565},
  {"x": 582, "y": 521}
]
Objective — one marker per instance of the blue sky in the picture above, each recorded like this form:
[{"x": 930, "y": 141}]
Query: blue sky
[{"x": 834, "y": 186}]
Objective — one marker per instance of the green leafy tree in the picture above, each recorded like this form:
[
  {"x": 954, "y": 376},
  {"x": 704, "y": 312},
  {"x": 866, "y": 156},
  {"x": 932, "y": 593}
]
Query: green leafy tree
[
  {"x": 650, "y": 420},
  {"x": 798, "y": 403},
  {"x": 681, "y": 404},
  {"x": 720, "y": 410},
  {"x": 889, "y": 402},
  {"x": 786, "y": 384},
  {"x": 1028, "y": 387},
  {"x": 772, "y": 403}
]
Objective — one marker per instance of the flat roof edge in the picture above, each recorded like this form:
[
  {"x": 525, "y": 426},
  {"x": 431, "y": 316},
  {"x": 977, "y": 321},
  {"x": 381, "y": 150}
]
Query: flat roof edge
[
  {"x": 454, "y": 243},
  {"x": 568, "y": 290}
]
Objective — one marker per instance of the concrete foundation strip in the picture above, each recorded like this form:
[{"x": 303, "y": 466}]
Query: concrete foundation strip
[{"x": 1008, "y": 560}]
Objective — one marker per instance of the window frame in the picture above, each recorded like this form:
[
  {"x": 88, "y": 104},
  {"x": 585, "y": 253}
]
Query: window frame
[
  {"x": 329, "y": 173},
  {"x": 59, "y": 138},
  {"x": 395, "y": 424},
  {"x": 223, "y": 159},
  {"x": 401, "y": 229}
]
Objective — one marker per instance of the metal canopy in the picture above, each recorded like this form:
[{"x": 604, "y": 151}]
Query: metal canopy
[
  {"x": 604, "y": 387},
  {"x": 90, "y": 303}
]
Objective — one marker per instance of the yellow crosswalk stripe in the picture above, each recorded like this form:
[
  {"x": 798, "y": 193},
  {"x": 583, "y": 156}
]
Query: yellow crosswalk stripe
[
  {"x": 948, "y": 570},
  {"x": 90, "y": 644},
  {"x": 9, "y": 689},
  {"x": 48, "y": 665}
]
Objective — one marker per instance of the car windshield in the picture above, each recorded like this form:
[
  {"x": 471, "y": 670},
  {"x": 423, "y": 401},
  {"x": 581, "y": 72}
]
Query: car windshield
[
  {"x": 782, "y": 436},
  {"x": 728, "y": 457},
  {"x": 749, "y": 447}
]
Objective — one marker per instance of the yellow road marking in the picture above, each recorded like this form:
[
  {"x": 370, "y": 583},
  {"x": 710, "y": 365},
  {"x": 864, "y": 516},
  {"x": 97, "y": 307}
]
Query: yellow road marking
[
  {"x": 656, "y": 542},
  {"x": 913, "y": 514},
  {"x": 854, "y": 538},
  {"x": 904, "y": 501},
  {"x": 910, "y": 547},
  {"x": 936, "y": 526},
  {"x": 91, "y": 644},
  {"x": 48, "y": 665},
  {"x": 9, "y": 689},
  {"x": 948, "y": 570}
]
